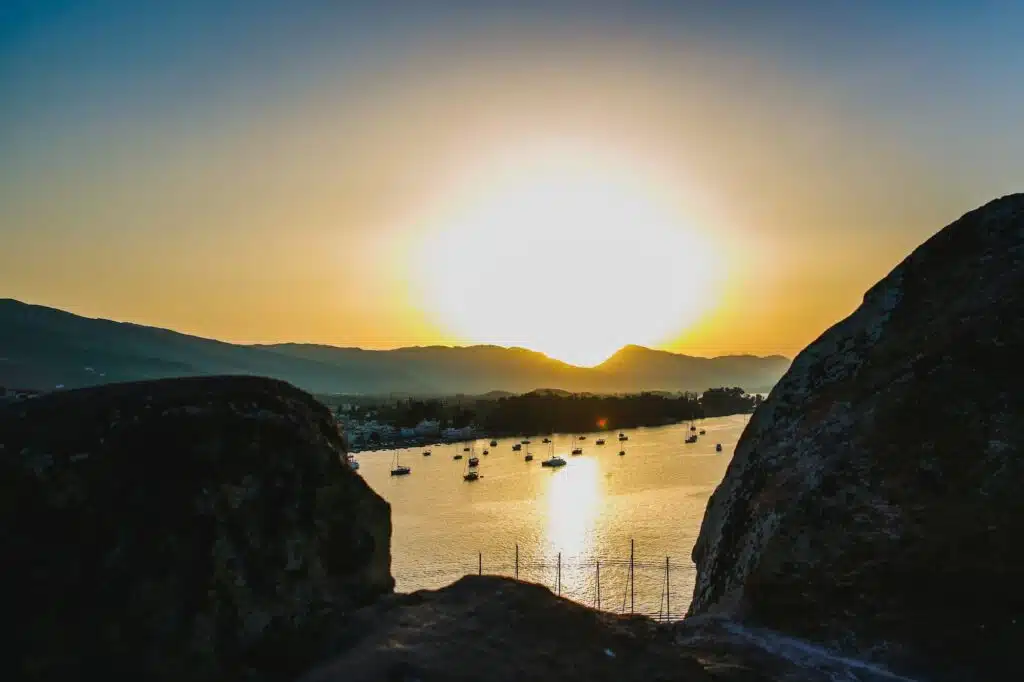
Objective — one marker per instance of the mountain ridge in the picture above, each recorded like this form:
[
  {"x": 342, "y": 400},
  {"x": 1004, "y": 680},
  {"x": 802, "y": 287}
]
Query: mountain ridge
[{"x": 43, "y": 347}]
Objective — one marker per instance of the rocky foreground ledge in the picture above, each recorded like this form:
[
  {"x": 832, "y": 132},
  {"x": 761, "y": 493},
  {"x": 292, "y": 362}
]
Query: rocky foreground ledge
[
  {"x": 868, "y": 528},
  {"x": 182, "y": 529}
]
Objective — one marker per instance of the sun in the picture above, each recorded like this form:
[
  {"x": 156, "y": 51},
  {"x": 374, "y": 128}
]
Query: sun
[{"x": 567, "y": 253}]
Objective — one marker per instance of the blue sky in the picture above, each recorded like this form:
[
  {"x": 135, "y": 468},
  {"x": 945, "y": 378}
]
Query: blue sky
[{"x": 111, "y": 52}]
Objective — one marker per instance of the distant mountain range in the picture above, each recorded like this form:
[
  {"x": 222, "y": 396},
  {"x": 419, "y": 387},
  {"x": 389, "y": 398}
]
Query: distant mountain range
[{"x": 41, "y": 348}]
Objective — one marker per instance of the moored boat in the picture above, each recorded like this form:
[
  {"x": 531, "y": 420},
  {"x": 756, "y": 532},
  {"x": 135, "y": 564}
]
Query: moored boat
[{"x": 397, "y": 469}]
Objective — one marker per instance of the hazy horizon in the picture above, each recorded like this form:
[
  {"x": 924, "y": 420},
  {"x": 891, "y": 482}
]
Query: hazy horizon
[
  {"x": 564, "y": 177},
  {"x": 289, "y": 342}
]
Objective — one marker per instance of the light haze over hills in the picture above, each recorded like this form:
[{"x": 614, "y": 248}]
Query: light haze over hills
[{"x": 42, "y": 347}]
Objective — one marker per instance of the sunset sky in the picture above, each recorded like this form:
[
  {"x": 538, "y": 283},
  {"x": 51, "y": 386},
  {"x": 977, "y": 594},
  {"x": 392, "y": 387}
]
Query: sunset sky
[{"x": 705, "y": 177}]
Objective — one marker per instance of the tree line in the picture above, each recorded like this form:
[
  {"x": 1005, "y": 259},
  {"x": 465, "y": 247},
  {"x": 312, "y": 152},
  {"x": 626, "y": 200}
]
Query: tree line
[{"x": 550, "y": 412}]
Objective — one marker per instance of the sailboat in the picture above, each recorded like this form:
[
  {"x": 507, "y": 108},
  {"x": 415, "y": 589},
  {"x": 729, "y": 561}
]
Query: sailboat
[
  {"x": 397, "y": 469},
  {"x": 553, "y": 461},
  {"x": 473, "y": 460},
  {"x": 577, "y": 450},
  {"x": 692, "y": 438},
  {"x": 623, "y": 436},
  {"x": 528, "y": 457}
]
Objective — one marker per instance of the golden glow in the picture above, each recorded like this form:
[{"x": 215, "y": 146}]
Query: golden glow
[
  {"x": 331, "y": 209},
  {"x": 568, "y": 252},
  {"x": 574, "y": 497}
]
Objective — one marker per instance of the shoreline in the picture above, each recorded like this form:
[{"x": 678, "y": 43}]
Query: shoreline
[{"x": 428, "y": 442}]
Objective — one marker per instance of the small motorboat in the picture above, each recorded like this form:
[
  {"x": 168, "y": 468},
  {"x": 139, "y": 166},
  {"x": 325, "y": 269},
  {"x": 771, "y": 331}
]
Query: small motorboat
[
  {"x": 528, "y": 457},
  {"x": 473, "y": 461},
  {"x": 622, "y": 453},
  {"x": 554, "y": 462},
  {"x": 457, "y": 457},
  {"x": 599, "y": 441},
  {"x": 426, "y": 453},
  {"x": 583, "y": 437},
  {"x": 718, "y": 447},
  {"x": 487, "y": 452},
  {"x": 703, "y": 432},
  {"x": 546, "y": 440},
  {"x": 465, "y": 449},
  {"x": 494, "y": 443},
  {"x": 517, "y": 447},
  {"x": 524, "y": 442},
  {"x": 577, "y": 451},
  {"x": 470, "y": 476},
  {"x": 352, "y": 463},
  {"x": 623, "y": 436},
  {"x": 692, "y": 438}
]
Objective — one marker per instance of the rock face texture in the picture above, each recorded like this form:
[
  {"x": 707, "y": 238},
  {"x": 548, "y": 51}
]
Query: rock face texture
[
  {"x": 875, "y": 502},
  {"x": 498, "y": 630},
  {"x": 182, "y": 529}
]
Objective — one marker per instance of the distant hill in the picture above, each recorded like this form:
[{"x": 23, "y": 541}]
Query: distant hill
[
  {"x": 44, "y": 347},
  {"x": 665, "y": 371}
]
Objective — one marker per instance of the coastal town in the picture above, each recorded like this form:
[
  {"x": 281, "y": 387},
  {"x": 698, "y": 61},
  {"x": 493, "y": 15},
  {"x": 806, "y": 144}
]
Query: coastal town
[
  {"x": 409, "y": 422},
  {"x": 373, "y": 435}
]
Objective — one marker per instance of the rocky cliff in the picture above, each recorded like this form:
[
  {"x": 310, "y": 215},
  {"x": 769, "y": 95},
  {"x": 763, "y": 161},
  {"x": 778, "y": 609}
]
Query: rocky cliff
[
  {"x": 182, "y": 529},
  {"x": 501, "y": 630},
  {"x": 874, "y": 502}
]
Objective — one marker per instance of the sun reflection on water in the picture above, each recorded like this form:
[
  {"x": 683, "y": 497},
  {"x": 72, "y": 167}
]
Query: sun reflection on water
[{"x": 574, "y": 499}]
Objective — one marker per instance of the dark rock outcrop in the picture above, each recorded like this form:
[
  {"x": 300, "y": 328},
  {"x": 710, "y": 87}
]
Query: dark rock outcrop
[
  {"x": 498, "y": 630},
  {"x": 183, "y": 529},
  {"x": 874, "y": 502}
]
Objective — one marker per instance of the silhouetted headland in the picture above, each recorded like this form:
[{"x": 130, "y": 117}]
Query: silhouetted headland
[{"x": 43, "y": 348}]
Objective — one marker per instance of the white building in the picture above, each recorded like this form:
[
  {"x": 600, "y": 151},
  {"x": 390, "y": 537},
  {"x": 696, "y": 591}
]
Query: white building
[
  {"x": 459, "y": 434},
  {"x": 428, "y": 428}
]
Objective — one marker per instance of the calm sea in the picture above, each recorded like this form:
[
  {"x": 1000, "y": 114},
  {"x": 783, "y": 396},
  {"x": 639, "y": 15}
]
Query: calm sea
[{"x": 589, "y": 511}]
